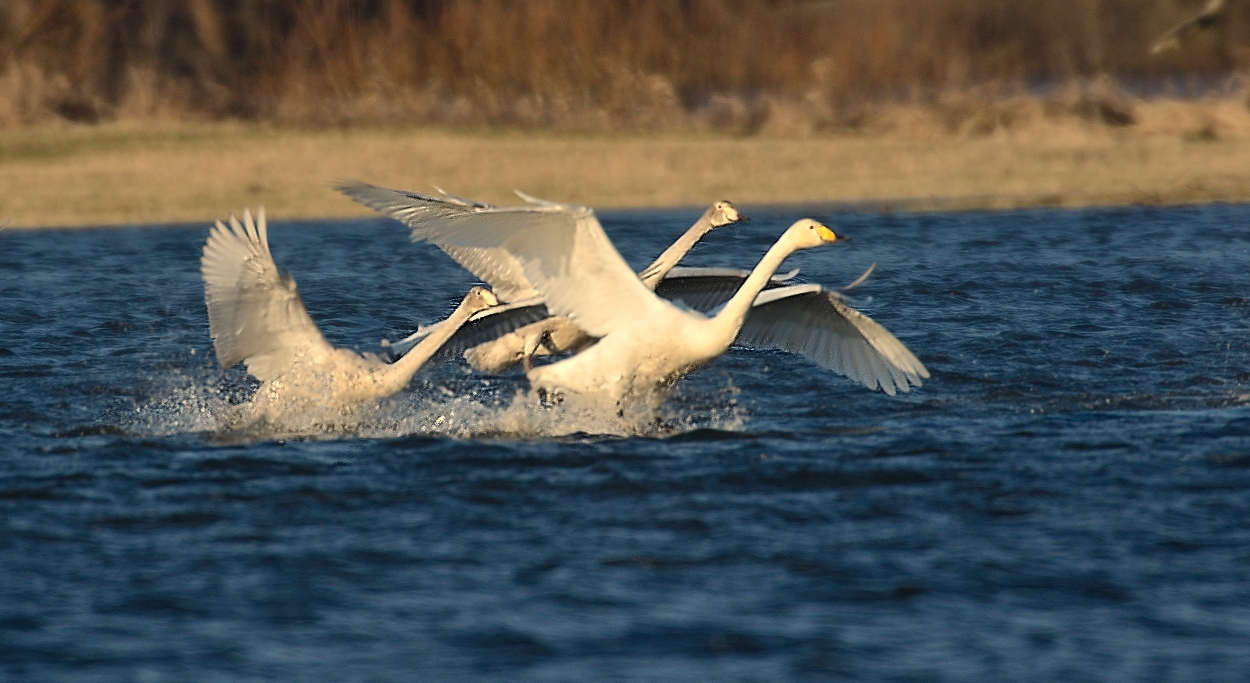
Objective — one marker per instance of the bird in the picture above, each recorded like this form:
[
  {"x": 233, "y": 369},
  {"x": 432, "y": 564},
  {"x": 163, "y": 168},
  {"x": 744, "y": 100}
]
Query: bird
[
  {"x": 499, "y": 339},
  {"x": 257, "y": 316},
  {"x": 645, "y": 342},
  {"x": 809, "y": 320},
  {"x": 806, "y": 319},
  {"x": 1210, "y": 15}
]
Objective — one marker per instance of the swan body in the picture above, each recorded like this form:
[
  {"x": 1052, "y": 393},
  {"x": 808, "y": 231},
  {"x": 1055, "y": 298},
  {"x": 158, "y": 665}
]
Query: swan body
[
  {"x": 641, "y": 356},
  {"x": 805, "y": 319},
  {"x": 554, "y": 335},
  {"x": 558, "y": 334},
  {"x": 514, "y": 325},
  {"x": 256, "y": 316},
  {"x": 550, "y": 334}
]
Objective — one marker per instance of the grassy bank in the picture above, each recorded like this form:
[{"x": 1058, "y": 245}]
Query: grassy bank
[{"x": 70, "y": 175}]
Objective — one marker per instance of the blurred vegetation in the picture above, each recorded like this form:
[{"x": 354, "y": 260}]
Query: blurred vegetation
[{"x": 589, "y": 64}]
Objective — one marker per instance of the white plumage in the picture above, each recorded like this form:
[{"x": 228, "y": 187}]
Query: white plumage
[
  {"x": 516, "y": 339},
  {"x": 256, "y": 316},
  {"x": 647, "y": 343}
]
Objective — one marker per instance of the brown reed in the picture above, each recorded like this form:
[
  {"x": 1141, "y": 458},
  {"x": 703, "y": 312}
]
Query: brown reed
[{"x": 736, "y": 65}]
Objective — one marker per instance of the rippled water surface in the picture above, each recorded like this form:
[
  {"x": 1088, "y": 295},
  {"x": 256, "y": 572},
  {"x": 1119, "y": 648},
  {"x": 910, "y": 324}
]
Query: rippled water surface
[{"x": 1067, "y": 499}]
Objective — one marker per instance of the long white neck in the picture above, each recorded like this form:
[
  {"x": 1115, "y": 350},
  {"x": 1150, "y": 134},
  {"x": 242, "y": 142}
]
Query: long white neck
[
  {"x": 730, "y": 318},
  {"x": 652, "y": 274},
  {"x": 402, "y": 370}
]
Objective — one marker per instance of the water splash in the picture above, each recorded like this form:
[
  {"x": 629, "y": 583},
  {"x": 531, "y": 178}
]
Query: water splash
[{"x": 459, "y": 411}]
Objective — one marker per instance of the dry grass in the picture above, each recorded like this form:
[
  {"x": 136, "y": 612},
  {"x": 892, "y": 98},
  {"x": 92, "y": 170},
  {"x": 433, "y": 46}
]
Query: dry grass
[
  {"x": 572, "y": 64},
  {"x": 958, "y": 154},
  {"x": 149, "y": 110}
]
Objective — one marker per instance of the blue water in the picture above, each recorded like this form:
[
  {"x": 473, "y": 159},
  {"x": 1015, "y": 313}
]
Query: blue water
[{"x": 1067, "y": 499}]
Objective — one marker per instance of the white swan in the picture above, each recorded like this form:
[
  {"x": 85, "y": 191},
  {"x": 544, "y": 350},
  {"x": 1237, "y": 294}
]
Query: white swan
[
  {"x": 1212, "y": 13},
  {"x": 646, "y": 343},
  {"x": 809, "y": 320},
  {"x": 515, "y": 339},
  {"x": 257, "y": 316},
  {"x": 554, "y": 334},
  {"x": 558, "y": 334}
]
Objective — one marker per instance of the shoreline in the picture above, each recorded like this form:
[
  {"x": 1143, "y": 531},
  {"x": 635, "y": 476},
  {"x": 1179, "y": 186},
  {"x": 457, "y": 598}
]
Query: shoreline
[
  {"x": 125, "y": 174},
  {"x": 897, "y": 205}
]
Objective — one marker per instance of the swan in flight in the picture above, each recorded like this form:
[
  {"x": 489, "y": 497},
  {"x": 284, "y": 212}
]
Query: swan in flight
[
  {"x": 1210, "y": 15},
  {"x": 809, "y": 320},
  {"x": 805, "y": 319},
  {"x": 256, "y": 316},
  {"x": 646, "y": 343},
  {"x": 523, "y": 330}
]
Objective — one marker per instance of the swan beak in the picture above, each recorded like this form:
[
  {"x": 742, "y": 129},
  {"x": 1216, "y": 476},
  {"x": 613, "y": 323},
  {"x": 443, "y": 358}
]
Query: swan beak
[
  {"x": 490, "y": 298},
  {"x": 827, "y": 235}
]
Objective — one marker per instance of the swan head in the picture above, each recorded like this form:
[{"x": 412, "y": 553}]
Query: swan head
[
  {"x": 479, "y": 299},
  {"x": 807, "y": 233},
  {"x": 723, "y": 213}
]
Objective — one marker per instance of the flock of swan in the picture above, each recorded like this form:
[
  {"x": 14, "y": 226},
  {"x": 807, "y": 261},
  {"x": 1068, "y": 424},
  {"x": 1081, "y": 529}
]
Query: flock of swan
[
  {"x": 557, "y": 290},
  {"x": 560, "y": 302}
]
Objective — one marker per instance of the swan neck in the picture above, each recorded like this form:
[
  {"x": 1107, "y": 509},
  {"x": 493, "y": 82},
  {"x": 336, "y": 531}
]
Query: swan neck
[
  {"x": 735, "y": 310},
  {"x": 410, "y": 362},
  {"x": 652, "y": 274}
]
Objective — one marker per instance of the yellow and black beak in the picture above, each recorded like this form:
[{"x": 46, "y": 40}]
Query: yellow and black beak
[{"x": 827, "y": 235}]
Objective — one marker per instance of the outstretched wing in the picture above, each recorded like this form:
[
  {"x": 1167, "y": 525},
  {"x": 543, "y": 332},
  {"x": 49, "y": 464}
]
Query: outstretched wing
[
  {"x": 494, "y": 266},
  {"x": 819, "y": 325},
  {"x": 561, "y": 249},
  {"x": 706, "y": 289},
  {"x": 255, "y": 314}
]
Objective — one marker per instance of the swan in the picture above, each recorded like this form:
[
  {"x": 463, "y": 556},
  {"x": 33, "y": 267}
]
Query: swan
[
  {"x": 646, "y": 343},
  {"x": 553, "y": 334},
  {"x": 558, "y": 334},
  {"x": 1210, "y": 15},
  {"x": 809, "y": 320},
  {"x": 806, "y": 319},
  {"x": 256, "y": 316},
  {"x": 493, "y": 344}
]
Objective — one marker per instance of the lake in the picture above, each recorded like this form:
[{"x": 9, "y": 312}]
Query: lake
[{"x": 1066, "y": 499}]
